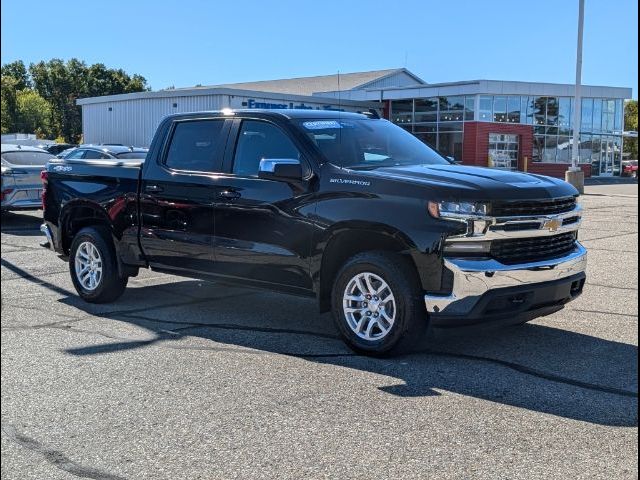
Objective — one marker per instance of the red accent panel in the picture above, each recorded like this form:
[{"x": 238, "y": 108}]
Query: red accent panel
[{"x": 476, "y": 141}]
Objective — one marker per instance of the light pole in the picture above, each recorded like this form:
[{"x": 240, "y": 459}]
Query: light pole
[{"x": 575, "y": 175}]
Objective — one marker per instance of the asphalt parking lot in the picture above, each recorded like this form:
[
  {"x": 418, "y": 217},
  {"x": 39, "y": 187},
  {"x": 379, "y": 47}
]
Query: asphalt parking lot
[{"x": 186, "y": 379}]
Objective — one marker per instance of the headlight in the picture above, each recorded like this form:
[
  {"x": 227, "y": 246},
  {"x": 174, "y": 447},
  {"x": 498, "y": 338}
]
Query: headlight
[{"x": 457, "y": 209}]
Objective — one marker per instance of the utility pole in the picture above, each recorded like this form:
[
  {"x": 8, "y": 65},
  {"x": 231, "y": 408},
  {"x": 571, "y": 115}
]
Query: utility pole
[{"x": 575, "y": 175}]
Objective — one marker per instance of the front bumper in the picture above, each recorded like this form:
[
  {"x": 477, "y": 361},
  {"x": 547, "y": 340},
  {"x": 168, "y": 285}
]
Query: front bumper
[{"x": 485, "y": 289}]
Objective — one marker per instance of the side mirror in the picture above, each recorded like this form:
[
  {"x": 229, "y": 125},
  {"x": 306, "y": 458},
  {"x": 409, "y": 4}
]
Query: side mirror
[
  {"x": 453, "y": 161},
  {"x": 285, "y": 169}
]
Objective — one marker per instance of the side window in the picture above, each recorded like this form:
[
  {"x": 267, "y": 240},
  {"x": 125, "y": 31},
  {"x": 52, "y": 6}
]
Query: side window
[
  {"x": 195, "y": 145},
  {"x": 258, "y": 140},
  {"x": 94, "y": 155},
  {"x": 76, "y": 154}
]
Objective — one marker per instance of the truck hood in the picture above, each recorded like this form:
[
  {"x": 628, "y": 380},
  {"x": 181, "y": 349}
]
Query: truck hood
[{"x": 475, "y": 183}]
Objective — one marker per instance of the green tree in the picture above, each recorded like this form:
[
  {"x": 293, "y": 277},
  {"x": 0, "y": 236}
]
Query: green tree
[
  {"x": 8, "y": 104},
  {"x": 18, "y": 71},
  {"x": 61, "y": 84},
  {"x": 631, "y": 124},
  {"x": 33, "y": 114}
]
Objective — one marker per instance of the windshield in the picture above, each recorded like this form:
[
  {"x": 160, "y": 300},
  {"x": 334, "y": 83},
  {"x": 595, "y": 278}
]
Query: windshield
[
  {"x": 368, "y": 144},
  {"x": 26, "y": 158},
  {"x": 132, "y": 155}
]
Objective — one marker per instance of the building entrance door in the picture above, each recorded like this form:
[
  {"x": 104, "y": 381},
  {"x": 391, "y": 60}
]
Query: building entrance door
[
  {"x": 503, "y": 151},
  {"x": 606, "y": 158}
]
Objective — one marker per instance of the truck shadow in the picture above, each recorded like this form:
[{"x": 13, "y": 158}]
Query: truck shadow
[
  {"x": 534, "y": 367},
  {"x": 25, "y": 223}
]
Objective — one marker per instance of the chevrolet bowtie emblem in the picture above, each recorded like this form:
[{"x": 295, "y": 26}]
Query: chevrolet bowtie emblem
[{"x": 552, "y": 225}]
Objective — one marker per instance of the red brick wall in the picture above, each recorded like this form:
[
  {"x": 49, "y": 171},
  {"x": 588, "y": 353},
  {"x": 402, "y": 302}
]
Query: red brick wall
[{"x": 476, "y": 141}]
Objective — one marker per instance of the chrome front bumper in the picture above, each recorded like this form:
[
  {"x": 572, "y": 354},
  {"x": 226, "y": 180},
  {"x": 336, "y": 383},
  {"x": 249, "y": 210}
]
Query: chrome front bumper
[{"x": 472, "y": 278}]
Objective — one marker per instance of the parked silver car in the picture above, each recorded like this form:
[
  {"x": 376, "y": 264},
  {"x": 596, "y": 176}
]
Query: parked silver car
[{"x": 21, "y": 184}]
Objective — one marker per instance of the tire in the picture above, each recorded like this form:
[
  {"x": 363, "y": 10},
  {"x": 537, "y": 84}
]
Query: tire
[
  {"x": 94, "y": 243},
  {"x": 402, "y": 302}
]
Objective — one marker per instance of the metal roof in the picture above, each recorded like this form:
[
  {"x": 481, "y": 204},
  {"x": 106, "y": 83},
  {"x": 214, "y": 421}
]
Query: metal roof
[
  {"x": 321, "y": 83},
  {"x": 285, "y": 112}
]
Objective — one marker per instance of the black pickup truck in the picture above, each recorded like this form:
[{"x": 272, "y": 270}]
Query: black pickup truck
[{"x": 347, "y": 208}]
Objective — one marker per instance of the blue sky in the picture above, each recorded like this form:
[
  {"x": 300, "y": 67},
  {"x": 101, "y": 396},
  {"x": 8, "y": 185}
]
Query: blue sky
[{"x": 189, "y": 42}]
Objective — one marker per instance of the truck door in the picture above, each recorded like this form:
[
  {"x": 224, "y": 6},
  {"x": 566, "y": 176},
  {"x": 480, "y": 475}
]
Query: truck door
[
  {"x": 263, "y": 233},
  {"x": 177, "y": 195}
]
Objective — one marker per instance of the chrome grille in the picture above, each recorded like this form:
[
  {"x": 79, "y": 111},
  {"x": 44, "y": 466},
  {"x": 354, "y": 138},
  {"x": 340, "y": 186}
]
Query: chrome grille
[
  {"x": 524, "y": 250},
  {"x": 533, "y": 207}
]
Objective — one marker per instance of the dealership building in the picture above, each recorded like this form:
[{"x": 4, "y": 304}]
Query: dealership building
[{"x": 501, "y": 124}]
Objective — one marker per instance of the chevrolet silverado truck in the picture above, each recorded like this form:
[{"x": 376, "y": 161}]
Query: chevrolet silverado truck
[{"x": 347, "y": 208}]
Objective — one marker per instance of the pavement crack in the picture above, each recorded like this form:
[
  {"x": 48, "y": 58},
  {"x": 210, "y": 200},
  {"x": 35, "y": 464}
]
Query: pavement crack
[
  {"x": 55, "y": 457},
  {"x": 628, "y": 315},
  {"x": 632, "y": 289},
  {"x": 537, "y": 373}
]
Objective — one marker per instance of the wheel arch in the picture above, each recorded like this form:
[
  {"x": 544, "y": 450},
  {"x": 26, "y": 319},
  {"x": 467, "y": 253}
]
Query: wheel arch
[{"x": 346, "y": 240}]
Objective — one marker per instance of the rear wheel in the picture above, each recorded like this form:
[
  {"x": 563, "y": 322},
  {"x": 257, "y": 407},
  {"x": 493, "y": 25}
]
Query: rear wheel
[
  {"x": 377, "y": 305},
  {"x": 93, "y": 266}
]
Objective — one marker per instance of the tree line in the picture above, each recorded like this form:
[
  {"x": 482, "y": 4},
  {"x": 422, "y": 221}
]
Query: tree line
[{"x": 41, "y": 99}]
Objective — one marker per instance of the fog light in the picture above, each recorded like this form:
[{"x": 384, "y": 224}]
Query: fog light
[{"x": 467, "y": 247}]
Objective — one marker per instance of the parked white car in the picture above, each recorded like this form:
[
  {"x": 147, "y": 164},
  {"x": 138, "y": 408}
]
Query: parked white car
[{"x": 21, "y": 184}]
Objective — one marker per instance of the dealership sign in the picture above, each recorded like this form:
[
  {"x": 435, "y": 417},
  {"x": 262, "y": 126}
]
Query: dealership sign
[{"x": 252, "y": 103}]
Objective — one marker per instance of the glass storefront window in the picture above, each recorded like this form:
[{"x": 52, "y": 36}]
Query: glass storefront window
[
  {"x": 450, "y": 127},
  {"x": 451, "y": 109},
  {"x": 426, "y": 128},
  {"x": 550, "y": 149},
  {"x": 608, "y": 115},
  {"x": 552, "y": 110},
  {"x": 564, "y": 149},
  {"x": 617, "y": 155},
  {"x": 526, "y": 110},
  {"x": 486, "y": 108},
  {"x": 584, "y": 151},
  {"x": 564, "y": 115},
  {"x": 539, "y": 110},
  {"x": 597, "y": 115},
  {"x": 402, "y": 111},
  {"x": 586, "y": 122},
  {"x": 619, "y": 117},
  {"x": 469, "y": 107},
  {"x": 596, "y": 147},
  {"x": 450, "y": 144},
  {"x": 538, "y": 148},
  {"x": 426, "y": 110},
  {"x": 513, "y": 109},
  {"x": 500, "y": 109},
  {"x": 430, "y": 139}
]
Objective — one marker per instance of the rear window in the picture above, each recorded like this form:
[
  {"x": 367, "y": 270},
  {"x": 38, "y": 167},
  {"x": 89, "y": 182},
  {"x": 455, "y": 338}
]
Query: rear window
[
  {"x": 132, "y": 155},
  {"x": 36, "y": 159}
]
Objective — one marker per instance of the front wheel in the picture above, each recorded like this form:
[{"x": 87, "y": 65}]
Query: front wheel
[
  {"x": 93, "y": 266},
  {"x": 377, "y": 306}
]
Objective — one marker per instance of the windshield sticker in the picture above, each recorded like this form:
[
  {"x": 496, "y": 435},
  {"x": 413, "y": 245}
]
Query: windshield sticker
[
  {"x": 321, "y": 124},
  {"x": 350, "y": 181}
]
